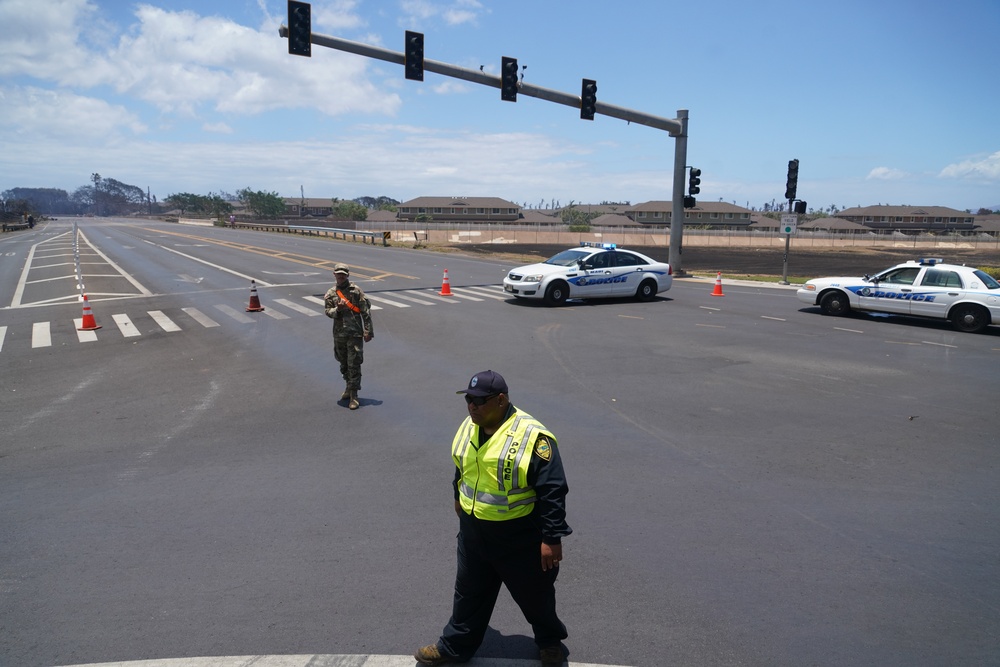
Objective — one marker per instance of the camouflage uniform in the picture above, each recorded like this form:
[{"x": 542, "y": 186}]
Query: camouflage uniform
[{"x": 349, "y": 329}]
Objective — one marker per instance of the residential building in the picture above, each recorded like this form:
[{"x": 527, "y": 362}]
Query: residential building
[
  {"x": 714, "y": 215},
  {"x": 460, "y": 209},
  {"x": 910, "y": 218}
]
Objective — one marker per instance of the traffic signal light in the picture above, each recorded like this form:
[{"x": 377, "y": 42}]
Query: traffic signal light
[
  {"x": 299, "y": 29},
  {"x": 793, "y": 179},
  {"x": 694, "y": 180},
  {"x": 508, "y": 79},
  {"x": 588, "y": 99},
  {"x": 800, "y": 207},
  {"x": 414, "y": 56},
  {"x": 690, "y": 202}
]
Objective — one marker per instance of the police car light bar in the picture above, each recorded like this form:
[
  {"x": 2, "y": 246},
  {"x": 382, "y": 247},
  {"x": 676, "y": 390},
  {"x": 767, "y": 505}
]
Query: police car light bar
[
  {"x": 930, "y": 261},
  {"x": 594, "y": 244}
]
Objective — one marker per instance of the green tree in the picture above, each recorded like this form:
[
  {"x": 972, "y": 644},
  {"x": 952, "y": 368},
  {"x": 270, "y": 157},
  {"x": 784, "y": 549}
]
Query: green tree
[
  {"x": 350, "y": 210},
  {"x": 262, "y": 205}
]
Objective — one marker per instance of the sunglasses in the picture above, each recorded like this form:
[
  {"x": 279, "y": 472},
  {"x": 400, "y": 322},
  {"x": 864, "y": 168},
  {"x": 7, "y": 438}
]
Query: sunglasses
[{"x": 479, "y": 401}]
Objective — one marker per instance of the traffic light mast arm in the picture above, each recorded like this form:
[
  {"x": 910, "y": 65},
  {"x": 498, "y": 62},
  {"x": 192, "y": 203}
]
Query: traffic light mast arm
[{"x": 670, "y": 125}]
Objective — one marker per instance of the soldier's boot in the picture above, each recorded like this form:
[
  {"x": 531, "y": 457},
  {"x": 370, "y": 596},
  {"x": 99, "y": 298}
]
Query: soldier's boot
[
  {"x": 346, "y": 396},
  {"x": 354, "y": 405}
]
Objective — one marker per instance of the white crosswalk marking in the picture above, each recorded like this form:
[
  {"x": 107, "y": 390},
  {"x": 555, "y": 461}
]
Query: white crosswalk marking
[
  {"x": 389, "y": 302},
  {"x": 41, "y": 335},
  {"x": 316, "y": 299},
  {"x": 408, "y": 297},
  {"x": 84, "y": 336},
  {"x": 298, "y": 307},
  {"x": 488, "y": 292},
  {"x": 437, "y": 297},
  {"x": 242, "y": 318},
  {"x": 200, "y": 317},
  {"x": 457, "y": 293},
  {"x": 125, "y": 325},
  {"x": 275, "y": 314},
  {"x": 165, "y": 322}
]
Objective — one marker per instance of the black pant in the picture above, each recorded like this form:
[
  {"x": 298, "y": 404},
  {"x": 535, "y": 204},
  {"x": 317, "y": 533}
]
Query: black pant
[{"x": 491, "y": 553}]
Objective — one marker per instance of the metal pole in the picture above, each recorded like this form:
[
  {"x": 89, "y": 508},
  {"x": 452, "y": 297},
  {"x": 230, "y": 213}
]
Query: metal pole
[
  {"x": 677, "y": 202},
  {"x": 784, "y": 259}
]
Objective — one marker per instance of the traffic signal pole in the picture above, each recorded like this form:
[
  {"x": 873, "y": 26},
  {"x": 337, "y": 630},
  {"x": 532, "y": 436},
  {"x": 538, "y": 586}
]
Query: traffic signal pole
[{"x": 676, "y": 127}]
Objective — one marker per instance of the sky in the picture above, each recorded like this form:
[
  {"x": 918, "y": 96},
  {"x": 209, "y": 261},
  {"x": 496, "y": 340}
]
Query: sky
[{"x": 881, "y": 101}]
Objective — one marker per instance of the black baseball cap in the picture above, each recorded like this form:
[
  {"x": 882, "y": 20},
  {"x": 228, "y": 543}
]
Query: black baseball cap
[{"x": 485, "y": 383}]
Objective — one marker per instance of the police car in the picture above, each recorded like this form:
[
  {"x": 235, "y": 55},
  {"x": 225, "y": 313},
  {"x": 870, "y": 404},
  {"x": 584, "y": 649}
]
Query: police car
[
  {"x": 967, "y": 297},
  {"x": 592, "y": 270}
]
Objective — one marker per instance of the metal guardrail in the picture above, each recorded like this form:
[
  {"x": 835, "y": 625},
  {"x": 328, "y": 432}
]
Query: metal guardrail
[
  {"x": 354, "y": 234},
  {"x": 12, "y": 226}
]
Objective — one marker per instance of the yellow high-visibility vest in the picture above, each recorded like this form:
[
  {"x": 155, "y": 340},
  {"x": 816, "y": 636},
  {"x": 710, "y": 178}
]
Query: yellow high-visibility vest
[{"x": 494, "y": 480}]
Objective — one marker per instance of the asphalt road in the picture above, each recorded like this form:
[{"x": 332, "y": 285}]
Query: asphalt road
[{"x": 752, "y": 483}]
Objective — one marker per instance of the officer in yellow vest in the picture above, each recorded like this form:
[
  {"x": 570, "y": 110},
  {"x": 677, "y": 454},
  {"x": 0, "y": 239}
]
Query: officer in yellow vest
[{"x": 510, "y": 497}]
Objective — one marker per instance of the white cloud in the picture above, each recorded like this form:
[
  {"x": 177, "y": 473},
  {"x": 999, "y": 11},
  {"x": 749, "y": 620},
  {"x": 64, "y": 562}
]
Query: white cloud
[
  {"x": 58, "y": 115},
  {"x": 217, "y": 128},
  {"x": 448, "y": 87},
  {"x": 181, "y": 62},
  {"x": 886, "y": 174},
  {"x": 339, "y": 15},
  {"x": 459, "y": 12},
  {"x": 985, "y": 168}
]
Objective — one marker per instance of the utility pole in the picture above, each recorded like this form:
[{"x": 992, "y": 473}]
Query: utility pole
[{"x": 301, "y": 37}]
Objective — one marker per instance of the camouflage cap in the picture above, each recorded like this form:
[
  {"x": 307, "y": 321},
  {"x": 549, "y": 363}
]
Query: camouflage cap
[{"x": 342, "y": 268}]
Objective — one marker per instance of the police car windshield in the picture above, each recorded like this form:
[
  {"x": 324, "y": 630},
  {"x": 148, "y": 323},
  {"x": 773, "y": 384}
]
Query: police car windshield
[{"x": 567, "y": 257}]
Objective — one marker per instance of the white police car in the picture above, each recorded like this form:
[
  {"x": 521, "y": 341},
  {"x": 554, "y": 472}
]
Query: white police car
[
  {"x": 592, "y": 270},
  {"x": 967, "y": 297}
]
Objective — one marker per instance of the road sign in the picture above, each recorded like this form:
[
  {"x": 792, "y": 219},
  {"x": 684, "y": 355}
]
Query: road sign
[{"x": 788, "y": 224}]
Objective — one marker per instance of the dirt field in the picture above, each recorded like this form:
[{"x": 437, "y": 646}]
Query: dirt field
[{"x": 735, "y": 262}]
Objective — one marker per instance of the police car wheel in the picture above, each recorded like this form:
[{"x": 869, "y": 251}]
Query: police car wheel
[
  {"x": 969, "y": 318},
  {"x": 646, "y": 291},
  {"x": 835, "y": 303},
  {"x": 556, "y": 293}
]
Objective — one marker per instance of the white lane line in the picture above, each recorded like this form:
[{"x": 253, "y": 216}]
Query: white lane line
[
  {"x": 3, "y": 334},
  {"x": 260, "y": 283},
  {"x": 125, "y": 325},
  {"x": 200, "y": 317},
  {"x": 390, "y": 302},
  {"x": 708, "y": 308},
  {"x": 776, "y": 319},
  {"x": 927, "y": 342},
  {"x": 165, "y": 322},
  {"x": 88, "y": 336},
  {"x": 848, "y": 330},
  {"x": 481, "y": 291},
  {"x": 41, "y": 335},
  {"x": 242, "y": 318},
  {"x": 117, "y": 268},
  {"x": 298, "y": 307}
]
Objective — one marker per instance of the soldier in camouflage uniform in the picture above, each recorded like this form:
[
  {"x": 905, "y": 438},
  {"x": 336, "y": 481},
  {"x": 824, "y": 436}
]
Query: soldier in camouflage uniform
[{"x": 347, "y": 305}]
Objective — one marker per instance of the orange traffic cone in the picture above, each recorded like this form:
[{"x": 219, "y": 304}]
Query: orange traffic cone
[
  {"x": 254, "y": 306},
  {"x": 88, "y": 323},
  {"x": 718, "y": 285},
  {"x": 445, "y": 285}
]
